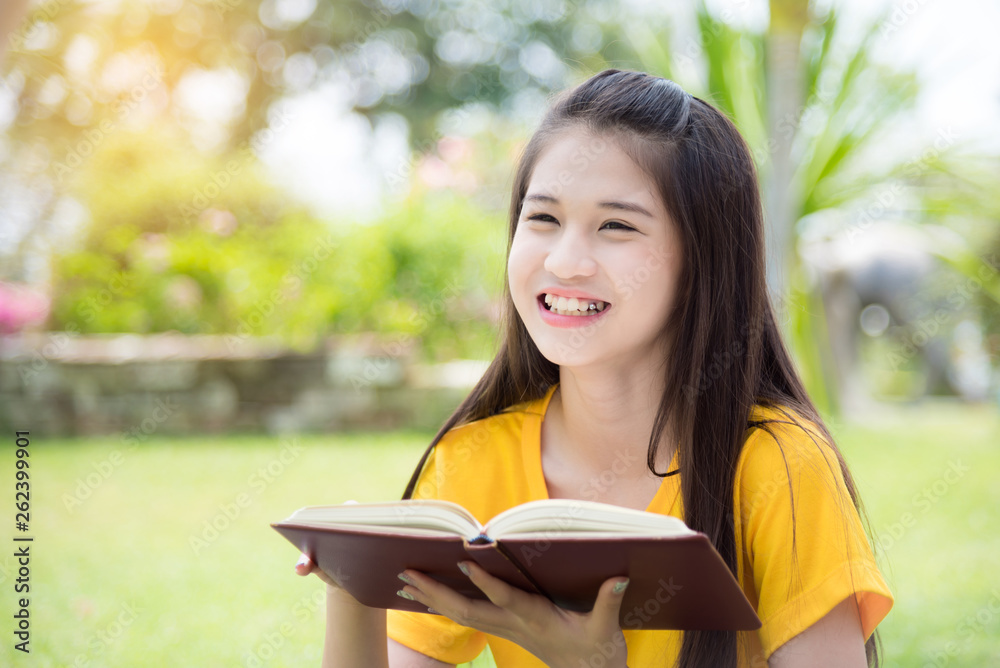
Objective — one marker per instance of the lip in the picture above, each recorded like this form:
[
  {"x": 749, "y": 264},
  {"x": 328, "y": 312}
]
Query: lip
[{"x": 567, "y": 321}]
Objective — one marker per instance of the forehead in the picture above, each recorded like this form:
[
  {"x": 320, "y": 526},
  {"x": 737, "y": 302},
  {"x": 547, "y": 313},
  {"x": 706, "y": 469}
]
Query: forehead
[{"x": 577, "y": 167}]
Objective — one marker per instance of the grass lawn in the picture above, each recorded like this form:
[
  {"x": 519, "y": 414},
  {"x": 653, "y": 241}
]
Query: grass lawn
[{"x": 125, "y": 573}]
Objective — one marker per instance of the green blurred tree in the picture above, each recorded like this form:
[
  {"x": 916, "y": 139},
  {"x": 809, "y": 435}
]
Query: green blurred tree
[
  {"x": 80, "y": 71},
  {"x": 815, "y": 107},
  {"x": 170, "y": 249}
]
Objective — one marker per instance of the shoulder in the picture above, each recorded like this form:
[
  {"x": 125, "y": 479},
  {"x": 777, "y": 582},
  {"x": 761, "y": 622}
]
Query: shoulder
[
  {"x": 478, "y": 455},
  {"x": 778, "y": 436},
  {"x": 785, "y": 451},
  {"x": 487, "y": 435},
  {"x": 804, "y": 547}
]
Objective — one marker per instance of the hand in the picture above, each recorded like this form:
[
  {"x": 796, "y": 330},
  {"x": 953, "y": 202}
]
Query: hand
[
  {"x": 556, "y": 636},
  {"x": 305, "y": 566}
]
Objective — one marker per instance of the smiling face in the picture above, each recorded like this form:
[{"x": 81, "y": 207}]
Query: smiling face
[{"x": 592, "y": 227}]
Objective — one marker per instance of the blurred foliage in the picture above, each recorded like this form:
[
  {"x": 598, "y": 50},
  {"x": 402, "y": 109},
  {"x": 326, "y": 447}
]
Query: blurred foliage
[
  {"x": 169, "y": 248},
  {"x": 88, "y": 82},
  {"x": 72, "y": 65},
  {"x": 830, "y": 140}
]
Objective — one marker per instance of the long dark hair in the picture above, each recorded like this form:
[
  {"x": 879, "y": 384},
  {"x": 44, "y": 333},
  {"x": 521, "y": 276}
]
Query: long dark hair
[{"x": 724, "y": 358}]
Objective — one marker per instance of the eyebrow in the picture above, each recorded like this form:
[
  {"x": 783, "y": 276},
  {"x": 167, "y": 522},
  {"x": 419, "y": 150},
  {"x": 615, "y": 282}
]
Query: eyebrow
[{"x": 618, "y": 206}]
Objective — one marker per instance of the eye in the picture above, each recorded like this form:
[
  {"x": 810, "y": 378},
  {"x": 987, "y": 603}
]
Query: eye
[
  {"x": 539, "y": 216},
  {"x": 621, "y": 226}
]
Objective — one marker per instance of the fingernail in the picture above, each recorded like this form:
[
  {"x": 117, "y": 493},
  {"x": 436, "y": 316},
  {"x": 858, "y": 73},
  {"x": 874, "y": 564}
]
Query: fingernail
[
  {"x": 302, "y": 560},
  {"x": 407, "y": 595},
  {"x": 405, "y": 578},
  {"x": 433, "y": 611},
  {"x": 465, "y": 569},
  {"x": 620, "y": 586}
]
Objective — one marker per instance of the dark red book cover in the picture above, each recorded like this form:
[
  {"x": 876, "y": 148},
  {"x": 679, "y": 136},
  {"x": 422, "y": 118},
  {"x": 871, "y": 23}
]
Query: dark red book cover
[{"x": 675, "y": 582}]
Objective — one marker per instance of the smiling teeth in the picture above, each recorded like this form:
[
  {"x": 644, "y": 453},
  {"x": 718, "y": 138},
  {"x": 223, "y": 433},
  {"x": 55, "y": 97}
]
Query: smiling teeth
[{"x": 573, "y": 306}]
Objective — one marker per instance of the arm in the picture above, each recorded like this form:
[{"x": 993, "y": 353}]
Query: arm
[
  {"x": 401, "y": 656},
  {"x": 835, "y": 641},
  {"x": 356, "y": 636},
  {"x": 355, "y": 633}
]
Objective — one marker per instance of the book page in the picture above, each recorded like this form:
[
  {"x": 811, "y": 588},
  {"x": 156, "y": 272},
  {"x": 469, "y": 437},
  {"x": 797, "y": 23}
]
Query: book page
[
  {"x": 417, "y": 516},
  {"x": 574, "y": 516}
]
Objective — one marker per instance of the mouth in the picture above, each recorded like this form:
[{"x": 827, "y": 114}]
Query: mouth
[{"x": 572, "y": 306}]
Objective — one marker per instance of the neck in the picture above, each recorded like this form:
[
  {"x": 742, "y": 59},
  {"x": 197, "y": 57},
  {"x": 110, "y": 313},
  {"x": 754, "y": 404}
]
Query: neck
[{"x": 607, "y": 419}]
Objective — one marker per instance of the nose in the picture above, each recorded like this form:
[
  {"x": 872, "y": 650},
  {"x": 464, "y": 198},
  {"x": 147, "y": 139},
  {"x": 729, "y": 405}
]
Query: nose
[{"x": 570, "y": 255}]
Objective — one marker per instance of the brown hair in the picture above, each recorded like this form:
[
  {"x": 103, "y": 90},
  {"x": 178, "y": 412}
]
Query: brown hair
[{"x": 724, "y": 360}]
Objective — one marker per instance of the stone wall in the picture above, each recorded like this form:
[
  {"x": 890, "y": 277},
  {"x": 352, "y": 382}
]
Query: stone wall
[{"x": 60, "y": 384}]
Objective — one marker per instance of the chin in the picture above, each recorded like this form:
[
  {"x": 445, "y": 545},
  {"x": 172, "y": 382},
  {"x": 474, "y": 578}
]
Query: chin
[{"x": 563, "y": 354}]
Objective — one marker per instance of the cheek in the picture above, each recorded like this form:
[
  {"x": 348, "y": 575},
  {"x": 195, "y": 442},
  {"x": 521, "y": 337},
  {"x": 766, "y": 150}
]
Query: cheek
[
  {"x": 656, "y": 282},
  {"x": 520, "y": 264}
]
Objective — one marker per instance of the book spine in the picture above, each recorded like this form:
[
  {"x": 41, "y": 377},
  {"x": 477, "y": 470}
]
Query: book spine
[{"x": 499, "y": 564}]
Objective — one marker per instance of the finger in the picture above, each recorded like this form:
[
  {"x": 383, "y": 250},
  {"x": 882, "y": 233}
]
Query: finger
[
  {"x": 481, "y": 615},
  {"x": 609, "y": 601},
  {"x": 499, "y": 592},
  {"x": 303, "y": 566}
]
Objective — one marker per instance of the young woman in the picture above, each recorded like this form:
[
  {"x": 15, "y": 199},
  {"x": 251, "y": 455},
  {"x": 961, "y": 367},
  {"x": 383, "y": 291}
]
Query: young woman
[{"x": 640, "y": 365}]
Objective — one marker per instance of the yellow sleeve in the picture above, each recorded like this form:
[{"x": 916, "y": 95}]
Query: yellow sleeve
[
  {"x": 831, "y": 558},
  {"x": 434, "y": 635}
]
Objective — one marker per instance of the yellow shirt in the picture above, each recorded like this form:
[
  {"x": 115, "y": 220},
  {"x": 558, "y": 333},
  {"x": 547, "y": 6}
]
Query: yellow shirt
[{"x": 493, "y": 464}]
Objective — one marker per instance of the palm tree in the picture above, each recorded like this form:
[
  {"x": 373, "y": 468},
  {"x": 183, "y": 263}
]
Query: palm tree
[{"x": 813, "y": 105}]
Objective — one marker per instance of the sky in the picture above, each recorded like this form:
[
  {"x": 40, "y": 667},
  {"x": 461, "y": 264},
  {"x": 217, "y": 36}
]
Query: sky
[{"x": 951, "y": 44}]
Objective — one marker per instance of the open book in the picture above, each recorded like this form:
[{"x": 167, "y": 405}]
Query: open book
[{"x": 563, "y": 549}]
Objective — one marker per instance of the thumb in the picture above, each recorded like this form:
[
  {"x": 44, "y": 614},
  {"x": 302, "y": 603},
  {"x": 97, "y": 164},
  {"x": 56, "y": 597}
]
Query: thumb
[
  {"x": 304, "y": 565},
  {"x": 609, "y": 600}
]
